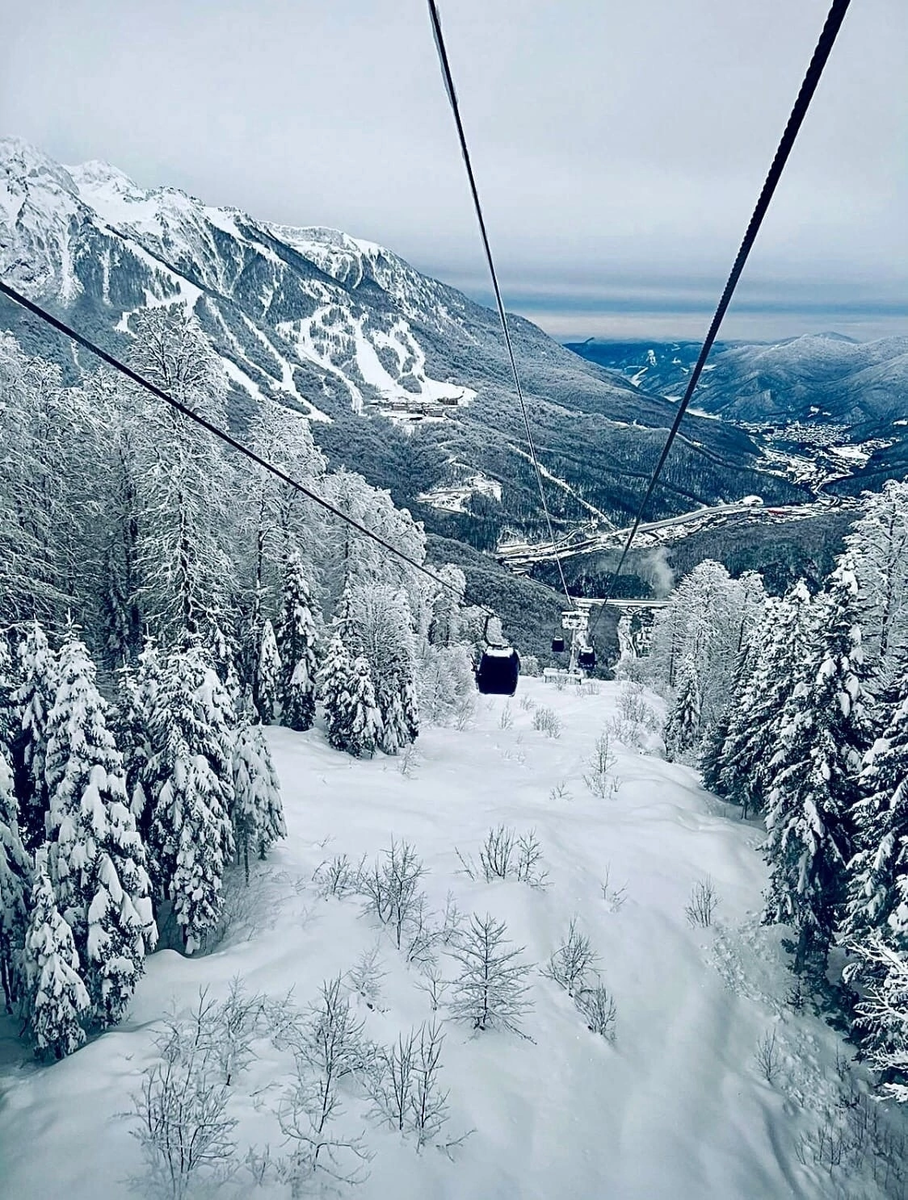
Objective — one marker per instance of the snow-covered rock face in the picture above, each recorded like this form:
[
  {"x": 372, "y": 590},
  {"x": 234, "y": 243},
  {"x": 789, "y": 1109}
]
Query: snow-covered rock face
[{"x": 303, "y": 314}]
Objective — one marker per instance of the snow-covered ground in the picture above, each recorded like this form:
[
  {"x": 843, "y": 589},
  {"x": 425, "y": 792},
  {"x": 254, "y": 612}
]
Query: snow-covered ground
[{"x": 676, "y": 1107}]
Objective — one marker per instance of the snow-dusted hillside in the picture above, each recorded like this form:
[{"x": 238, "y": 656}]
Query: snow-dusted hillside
[
  {"x": 820, "y": 378},
  {"x": 677, "y": 1107},
  {"x": 334, "y": 325}
]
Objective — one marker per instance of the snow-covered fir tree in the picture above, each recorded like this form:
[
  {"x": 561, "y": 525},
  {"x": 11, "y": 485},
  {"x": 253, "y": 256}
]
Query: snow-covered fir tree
[
  {"x": 35, "y": 698},
  {"x": 822, "y": 735},
  {"x": 297, "y": 644},
  {"x": 15, "y": 878},
  {"x": 384, "y": 629},
  {"x": 96, "y": 858},
  {"x": 779, "y": 648},
  {"x": 878, "y": 872},
  {"x": 57, "y": 1001},
  {"x": 336, "y": 686},
  {"x": 188, "y": 782},
  {"x": 877, "y": 546},
  {"x": 268, "y": 674},
  {"x": 182, "y": 546},
  {"x": 258, "y": 815},
  {"x": 137, "y": 692},
  {"x": 365, "y": 724},
  {"x": 682, "y": 728}
]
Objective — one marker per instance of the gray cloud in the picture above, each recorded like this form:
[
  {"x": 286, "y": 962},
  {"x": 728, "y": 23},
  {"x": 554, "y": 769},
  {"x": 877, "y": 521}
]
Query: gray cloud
[{"x": 619, "y": 147}]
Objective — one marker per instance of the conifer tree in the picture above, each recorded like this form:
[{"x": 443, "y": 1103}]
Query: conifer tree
[
  {"x": 778, "y": 650},
  {"x": 96, "y": 858},
  {"x": 258, "y": 815},
  {"x": 336, "y": 686},
  {"x": 682, "y": 729},
  {"x": 189, "y": 784},
  {"x": 10, "y": 712},
  {"x": 878, "y": 872},
  {"x": 57, "y": 998},
  {"x": 15, "y": 876},
  {"x": 822, "y": 735},
  {"x": 297, "y": 642},
  {"x": 133, "y": 723},
  {"x": 35, "y": 699},
  {"x": 365, "y": 727},
  {"x": 268, "y": 674}
]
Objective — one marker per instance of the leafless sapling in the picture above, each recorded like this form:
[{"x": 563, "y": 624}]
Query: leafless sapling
[
  {"x": 491, "y": 990},
  {"x": 573, "y": 963},
  {"x": 702, "y": 904},
  {"x": 391, "y": 887}
]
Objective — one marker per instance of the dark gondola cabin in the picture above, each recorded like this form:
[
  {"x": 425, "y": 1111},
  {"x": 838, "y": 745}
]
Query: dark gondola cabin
[
  {"x": 498, "y": 671},
  {"x": 587, "y": 659},
  {"x": 557, "y": 645}
]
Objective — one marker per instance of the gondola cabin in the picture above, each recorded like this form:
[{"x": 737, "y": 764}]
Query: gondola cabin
[
  {"x": 587, "y": 659},
  {"x": 498, "y": 671},
  {"x": 557, "y": 645}
]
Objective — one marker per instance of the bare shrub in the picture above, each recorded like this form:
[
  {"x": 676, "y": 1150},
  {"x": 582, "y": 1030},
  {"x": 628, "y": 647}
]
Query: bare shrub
[
  {"x": 573, "y": 962},
  {"x": 702, "y": 904},
  {"x": 504, "y": 855},
  {"x": 615, "y": 897},
  {"x": 768, "y": 1056},
  {"x": 597, "y": 1007},
  {"x": 364, "y": 979},
  {"x": 560, "y": 791},
  {"x": 405, "y": 1086},
  {"x": 527, "y": 703},
  {"x": 328, "y": 1046},
  {"x": 391, "y": 887},
  {"x": 590, "y": 687},
  {"x": 633, "y": 707},
  {"x": 408, "y": 762},
  {"x": 547, "y": 721},
  {"x": 420, "y": 933},
  {"x": 506, "y": 717},
  {"x": 497, "y": 853},
  {"x": 338, "y": 876},
  {"x": 464, "y": 712},
  {"x": 491, "y": 990},
  {"x": 433, "y": 983},
  {"x": 599, "y": 779},
  {"x": 529, "y": 860},
  {"x": 626, "y": 732},
  {"x": 451, "y": 921},
  {"x": 183, "y": 1128}
]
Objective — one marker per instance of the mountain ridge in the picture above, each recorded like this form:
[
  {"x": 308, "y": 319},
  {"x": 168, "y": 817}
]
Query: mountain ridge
[{"x": 336, "y": 327}]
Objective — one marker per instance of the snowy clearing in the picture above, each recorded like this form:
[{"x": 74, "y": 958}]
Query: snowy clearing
[{"x": 676, "y": 1107}]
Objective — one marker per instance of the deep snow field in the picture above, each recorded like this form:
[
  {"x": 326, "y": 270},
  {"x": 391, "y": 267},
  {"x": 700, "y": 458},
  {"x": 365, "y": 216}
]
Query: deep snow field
[{"x": 676, "y": 1107}]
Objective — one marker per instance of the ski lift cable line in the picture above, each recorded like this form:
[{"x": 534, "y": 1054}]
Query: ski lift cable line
[
  {"x": 224, "y": 436},
  {"x": 499, "y": 302},
  {"x": 827, "y": 39}
]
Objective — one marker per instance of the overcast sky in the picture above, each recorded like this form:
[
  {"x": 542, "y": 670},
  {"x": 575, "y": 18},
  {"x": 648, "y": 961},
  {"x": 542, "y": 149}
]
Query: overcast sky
[{"x": 619, "y": 144}]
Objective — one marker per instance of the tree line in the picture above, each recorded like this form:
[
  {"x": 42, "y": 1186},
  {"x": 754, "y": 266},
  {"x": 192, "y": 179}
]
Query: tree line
[
  {"x": 161, "y": 600},
  {"x": 796, "y": 708}
]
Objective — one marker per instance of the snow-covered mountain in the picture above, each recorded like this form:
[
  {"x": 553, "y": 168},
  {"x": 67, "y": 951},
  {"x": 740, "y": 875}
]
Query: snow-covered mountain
[
  {"x": 824, "y": 376},
  {"x": 338, "y": 327}
]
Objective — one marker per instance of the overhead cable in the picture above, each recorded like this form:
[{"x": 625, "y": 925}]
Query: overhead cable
[
  {"x": 815, "y": 68},
  {"x": 502, "y": 315}
]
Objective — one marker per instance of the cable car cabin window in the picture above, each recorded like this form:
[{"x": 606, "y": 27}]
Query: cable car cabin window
[
  {"x": 587, "y": 659},
  {"x": 557, "y": 645},
  {"x": 498, "y": 671}
]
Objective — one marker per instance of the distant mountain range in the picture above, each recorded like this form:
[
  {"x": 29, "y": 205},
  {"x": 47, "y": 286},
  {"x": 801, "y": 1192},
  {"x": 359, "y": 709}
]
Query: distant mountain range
[
  {"x": 824, "y": 376},
  {"x": 405, "y": 378}
]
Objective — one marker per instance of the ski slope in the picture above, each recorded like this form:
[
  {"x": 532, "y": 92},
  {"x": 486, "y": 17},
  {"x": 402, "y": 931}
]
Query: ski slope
[{"x": 675, "y": 1108}]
